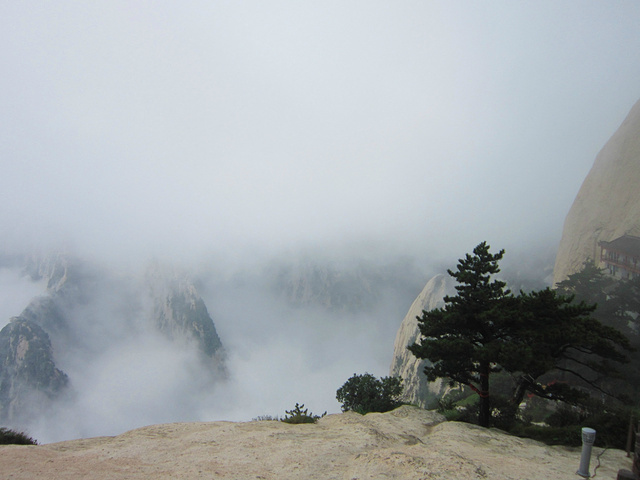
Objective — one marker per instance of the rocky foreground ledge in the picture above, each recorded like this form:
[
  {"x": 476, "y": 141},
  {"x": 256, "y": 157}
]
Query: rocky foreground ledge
[{"x": 408, "y": 443}]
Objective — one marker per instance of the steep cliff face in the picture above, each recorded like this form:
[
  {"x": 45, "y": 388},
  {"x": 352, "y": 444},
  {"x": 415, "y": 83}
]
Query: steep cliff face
[
  {"x": 29, "y": 379},
  {"x": 80, "y": 295},
  {"x": 608, "y": 203},
  {"x": 180, "y": 313},
  {"x": 417, "y": 390}
]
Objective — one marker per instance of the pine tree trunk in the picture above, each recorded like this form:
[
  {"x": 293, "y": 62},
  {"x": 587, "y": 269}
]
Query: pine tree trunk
[{"x": 484, "y": 417}]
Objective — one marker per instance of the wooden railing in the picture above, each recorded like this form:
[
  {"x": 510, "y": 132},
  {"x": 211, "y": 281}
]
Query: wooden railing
[{"x": 625, "y": 264}]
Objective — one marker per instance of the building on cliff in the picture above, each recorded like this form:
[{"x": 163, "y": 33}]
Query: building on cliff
[{"x": 621, "y": 257}]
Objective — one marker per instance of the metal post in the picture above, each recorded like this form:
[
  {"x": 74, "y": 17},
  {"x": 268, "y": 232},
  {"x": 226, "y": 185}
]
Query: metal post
[
  {"x": 588, "y": 438},
  {"x": 630, "y": 437}
]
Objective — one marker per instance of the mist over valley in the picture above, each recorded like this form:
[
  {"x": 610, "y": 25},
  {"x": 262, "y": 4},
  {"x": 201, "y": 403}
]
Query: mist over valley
[{"x": 215, "y": 211}]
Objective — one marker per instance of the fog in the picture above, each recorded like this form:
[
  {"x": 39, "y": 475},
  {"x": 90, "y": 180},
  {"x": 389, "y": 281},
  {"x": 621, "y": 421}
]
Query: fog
[
  {"x": 220, "y": 136},
  {"x": 17, "y": 291},
  {"x": 124, "y": 373}
]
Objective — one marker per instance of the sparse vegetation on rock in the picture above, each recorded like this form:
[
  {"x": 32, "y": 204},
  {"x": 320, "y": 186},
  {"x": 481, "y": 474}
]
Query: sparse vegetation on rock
[
  {"x": 11, "y": 437},
  {"x": 301, "y": 415}
]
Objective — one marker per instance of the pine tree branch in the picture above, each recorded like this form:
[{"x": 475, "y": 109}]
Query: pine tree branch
[
  {"x": 585, "y": 350},
  {"x": 590, "y": 382},
  {"x": 591, "y": 366}
]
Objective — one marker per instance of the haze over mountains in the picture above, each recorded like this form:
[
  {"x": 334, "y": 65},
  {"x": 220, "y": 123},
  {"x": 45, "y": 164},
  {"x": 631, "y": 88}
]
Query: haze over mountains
[
  {"x": 309, "y": 167},
  {"x": 96, "y": 346},
  {"x": 159, "y": 345}
]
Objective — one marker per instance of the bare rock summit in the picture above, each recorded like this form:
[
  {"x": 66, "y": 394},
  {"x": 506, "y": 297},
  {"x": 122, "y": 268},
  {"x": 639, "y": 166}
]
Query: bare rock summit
[{"x": 407, "y": 443}]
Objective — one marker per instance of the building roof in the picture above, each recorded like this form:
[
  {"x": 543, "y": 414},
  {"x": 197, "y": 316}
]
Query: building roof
[{"x": 625, "y": 244}]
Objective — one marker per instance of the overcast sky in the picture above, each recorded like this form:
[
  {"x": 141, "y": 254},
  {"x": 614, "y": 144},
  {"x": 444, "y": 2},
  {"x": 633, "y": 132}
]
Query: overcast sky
[{"x": 173, "y": 127}]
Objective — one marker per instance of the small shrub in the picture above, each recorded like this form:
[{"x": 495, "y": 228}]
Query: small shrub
[
  {"x": 610, "y": 423},
  {"x": 447, "y": 407},
  {"x": 265, "y": 418},
  {"x": 9, "y": 437},
  {"x": 365, "y": 393},
  {"x": 298, "y": 415},
  {"x": 452, "y": 415}
]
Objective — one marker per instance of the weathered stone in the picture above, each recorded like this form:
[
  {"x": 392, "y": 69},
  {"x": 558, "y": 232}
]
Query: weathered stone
[
  {"x": 625, "y": 474},
  {"x": 179, "y": 312},
  {"x": 29, "y": 379},
  {"x": 407, "y": 443},
  {"x": 608, "y": 203},
  {"x": 417, "y": 390}
]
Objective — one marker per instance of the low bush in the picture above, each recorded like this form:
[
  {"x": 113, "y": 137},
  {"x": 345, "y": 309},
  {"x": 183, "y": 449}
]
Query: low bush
[
  {"x": 298, "y": 415},
  {"x": 562, "y": 427},
  {"x": 11, "y": 437},
  {"x": 365, "y": 393},
  {"x": 610, "y": 423}
]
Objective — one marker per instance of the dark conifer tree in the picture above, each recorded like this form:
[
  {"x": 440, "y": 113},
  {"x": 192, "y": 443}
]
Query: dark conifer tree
[
  {"x": 559, "y": 351},
  {"x": 462, "y": 340},
  {"x": 485, "y": 329}
]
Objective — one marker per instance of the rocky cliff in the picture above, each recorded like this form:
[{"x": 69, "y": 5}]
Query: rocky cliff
[
  {"x": 88, "y": 312},
  {"x": 29, "y": 379},
  {"x": 179, "y": 312},
  {"x": 417, "y": 390},
  {"x": 608, "y": 203}
]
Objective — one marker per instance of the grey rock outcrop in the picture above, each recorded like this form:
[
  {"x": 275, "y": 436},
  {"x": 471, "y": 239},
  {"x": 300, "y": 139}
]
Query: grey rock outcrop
[
  {"x": 417, "y": 390},
  {"x": 29, "y": 379},
  {"x": 608, "y": 203},
  {"x": 179, "y": 312}
]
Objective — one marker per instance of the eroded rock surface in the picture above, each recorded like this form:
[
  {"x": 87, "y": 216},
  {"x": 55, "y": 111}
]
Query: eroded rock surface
[{"x": 408, "y": 443}]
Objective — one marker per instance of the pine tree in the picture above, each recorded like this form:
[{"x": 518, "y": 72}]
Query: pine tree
[
  {"x": 559, "y": 351},
  {"x": 484, "y": 329},
  {"x": 462, "y": 340}
]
